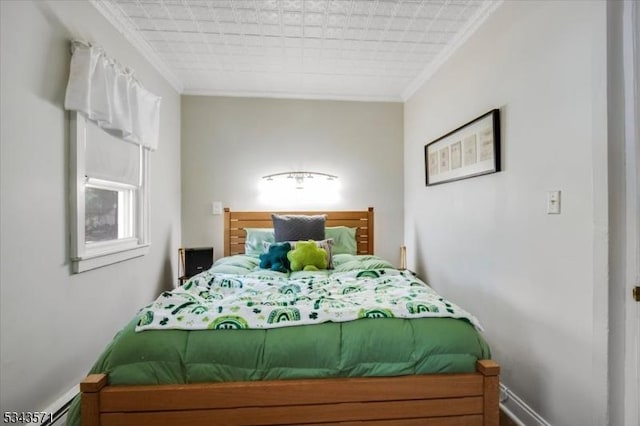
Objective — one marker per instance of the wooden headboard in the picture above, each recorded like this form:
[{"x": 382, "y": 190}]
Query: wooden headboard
[{"x": 236, "y": 222}]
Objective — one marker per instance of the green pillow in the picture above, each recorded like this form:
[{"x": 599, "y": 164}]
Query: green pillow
[
  {"x": 254, "y": 242},
  {"x": 344, "y": 239},
  {"x": 307, "y": 256}
]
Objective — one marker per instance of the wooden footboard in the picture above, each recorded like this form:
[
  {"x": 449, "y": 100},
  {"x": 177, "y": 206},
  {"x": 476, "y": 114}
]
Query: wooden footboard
[{"x": 434, "y": 399}]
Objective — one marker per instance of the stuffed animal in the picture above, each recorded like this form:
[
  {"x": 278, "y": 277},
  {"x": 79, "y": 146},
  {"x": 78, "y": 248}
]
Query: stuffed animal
[
  {"x": 276, "y": 258},
  {"x": 307, "y": 256}
]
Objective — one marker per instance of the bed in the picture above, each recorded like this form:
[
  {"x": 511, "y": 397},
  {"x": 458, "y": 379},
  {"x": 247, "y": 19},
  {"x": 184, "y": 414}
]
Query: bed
[{"x": 320, "y": 374}]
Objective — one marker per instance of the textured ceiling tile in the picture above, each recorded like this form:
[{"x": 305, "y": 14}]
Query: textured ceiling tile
[
  {"x": 186, "y": 25},
  {"x": 336, "y": 19},
  {"x": 370, "y": 48},
  {"x": 274, "y": 41},
  {"x": 379, "y": 22},
  {"x": 293, "y": 31},
  {"x": 178, "y": 12},
  {"x": 313, "y": 19},
  {"x": 289, "y": 42},
  {"x": 269, "y": 17},
  {"x": 235, "y": 40},
  {"x": 354, "y": 34},
  {"x": 340, "y": 6},
  {"x": 199, "y": 3},
  {"x": 313, "y": 32},
  {"x": 242, "y": 4},
  {"x": 155, "y": 11},
  {"x": 160, "y": 46},
  {"x": 313, "y": 43},
  {"x": 332, "y": 44},
  {"x": 433, "y": 11},
  {"x": 144, "y": 24},
  {"x": 132, "y": 9},
  {"x": 227, "y": 14},
  {"x": 396, "y": 36},
  {"x": 227, "y": 27},
  {"x": 409, "y": 9},
  {"x": 268, "y": 4},
  {"x": 386, "y": 8},
  {"x": 199, "y": 48},
  {"x": 252, "y": 30},
  {"x": 358, "y": 21},
  {"x": 165, "y": 25},
  {"x": 334, "y": 32},
  {"x": 420, "y": 24},
  {"x": 271, "y": 30},
  {"x": 210, "y": 31},
  {"x": 247, "y": 16},
  {"x": 399, "y": 23},
  {"x": 363, "y": 7},
  {"x": 198, "y": 12},
  {"x": 291, "y": 4}
]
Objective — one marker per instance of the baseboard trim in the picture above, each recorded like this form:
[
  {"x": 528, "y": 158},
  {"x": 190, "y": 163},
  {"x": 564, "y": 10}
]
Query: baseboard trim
[{"x": 518, "y": 410}]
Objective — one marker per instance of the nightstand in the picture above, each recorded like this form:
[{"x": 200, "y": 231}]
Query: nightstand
[{"x": 192, "y": 261}]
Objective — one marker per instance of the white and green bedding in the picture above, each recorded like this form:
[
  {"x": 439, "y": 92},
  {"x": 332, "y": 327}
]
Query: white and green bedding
[
  {"x": 236, "y": 294},
  {"x": 234, "y": 323}
]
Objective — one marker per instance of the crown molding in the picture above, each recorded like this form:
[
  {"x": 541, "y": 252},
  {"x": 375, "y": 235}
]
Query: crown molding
[
  {"x": 289, "y": 95},
  {"x": 110, "y": 13},
  {"x": 474, "y": 23}
]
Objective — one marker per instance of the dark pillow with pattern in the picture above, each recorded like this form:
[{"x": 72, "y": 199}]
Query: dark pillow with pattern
[{"x": 298, "y": 227}]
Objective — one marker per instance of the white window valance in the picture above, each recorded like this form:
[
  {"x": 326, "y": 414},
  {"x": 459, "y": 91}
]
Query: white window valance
[{"x": 110, "y": 95}]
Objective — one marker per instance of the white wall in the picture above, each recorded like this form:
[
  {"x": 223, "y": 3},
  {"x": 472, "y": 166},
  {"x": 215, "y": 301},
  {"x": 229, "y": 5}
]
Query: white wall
[
  {"x": 538, "y": 283},
  {"x": 54, "y": 323},
  {"x": 228, "y": 144}
]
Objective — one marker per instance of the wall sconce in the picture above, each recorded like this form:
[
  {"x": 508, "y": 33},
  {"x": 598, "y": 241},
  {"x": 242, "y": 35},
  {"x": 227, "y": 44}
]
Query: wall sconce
[
  {"x": 299, "y": 187},
  {"x": 298, "y": 178}
]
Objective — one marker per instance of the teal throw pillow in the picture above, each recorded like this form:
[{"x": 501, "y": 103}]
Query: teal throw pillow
[{"x": 276, "y": 258}]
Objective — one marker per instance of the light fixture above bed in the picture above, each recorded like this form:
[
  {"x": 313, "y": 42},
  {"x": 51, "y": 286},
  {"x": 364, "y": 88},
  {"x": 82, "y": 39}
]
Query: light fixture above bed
[
  {"x": 291, "y": 189},
  {"x": 298, "y": 179}
]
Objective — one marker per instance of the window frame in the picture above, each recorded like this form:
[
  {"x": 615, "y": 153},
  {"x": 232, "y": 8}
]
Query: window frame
[{"x": 87, "y": 256}]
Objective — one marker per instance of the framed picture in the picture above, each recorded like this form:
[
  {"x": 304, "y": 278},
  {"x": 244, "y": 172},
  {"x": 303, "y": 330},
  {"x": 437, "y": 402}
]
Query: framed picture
[{"x": 470, "y": 150}]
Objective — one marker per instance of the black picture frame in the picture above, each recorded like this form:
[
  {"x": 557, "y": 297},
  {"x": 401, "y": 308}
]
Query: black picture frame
[{"x": 472, "y": 149}]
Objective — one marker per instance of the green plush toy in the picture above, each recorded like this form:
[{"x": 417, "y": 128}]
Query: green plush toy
[
  {"x": 307, "y": 256},
  {"x": 276, "y": 258}
]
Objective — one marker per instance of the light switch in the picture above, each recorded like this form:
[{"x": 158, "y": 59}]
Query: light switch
[
  {"x": 216, "y": 208},
  {"x": 553, "y": 202}
]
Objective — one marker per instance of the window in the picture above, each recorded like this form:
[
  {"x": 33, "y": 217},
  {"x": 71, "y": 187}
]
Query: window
[
  {"x": 109, "y": 197},
  {"x": 108, "y": 211}
]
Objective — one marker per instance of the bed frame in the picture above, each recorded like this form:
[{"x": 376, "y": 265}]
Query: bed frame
[
  {"x": 236, "y": 222},
  {"x": 468, "y": 399}
]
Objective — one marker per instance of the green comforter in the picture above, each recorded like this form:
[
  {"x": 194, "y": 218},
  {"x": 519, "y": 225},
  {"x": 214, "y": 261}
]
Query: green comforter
[{"x": 443, "y": 340}]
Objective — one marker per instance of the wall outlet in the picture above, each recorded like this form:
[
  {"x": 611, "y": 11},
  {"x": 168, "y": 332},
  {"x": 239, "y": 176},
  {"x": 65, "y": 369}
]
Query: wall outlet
[{"x": 216, "y": 208}]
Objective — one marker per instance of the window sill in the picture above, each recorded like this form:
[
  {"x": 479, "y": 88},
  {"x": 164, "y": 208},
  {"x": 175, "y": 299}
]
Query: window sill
[{"x": 98, "y": 260}]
